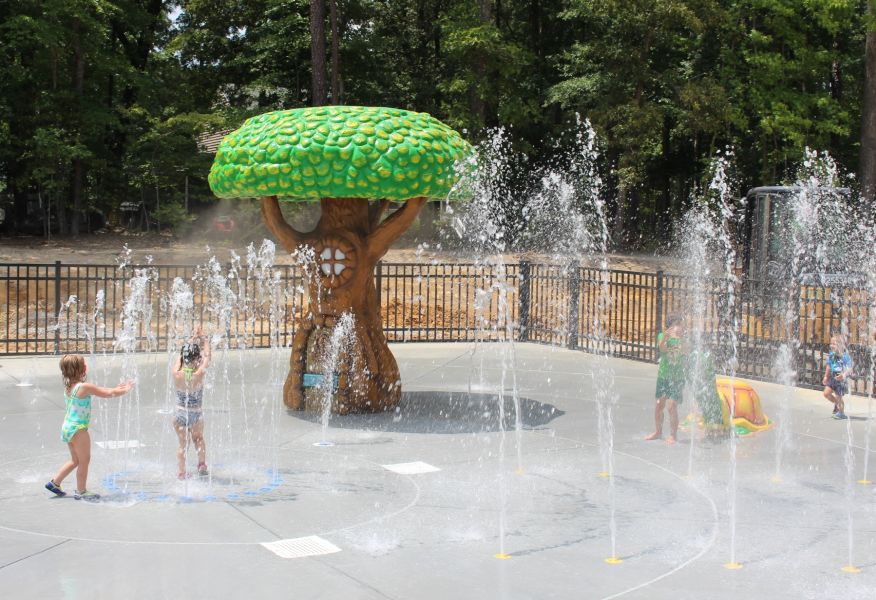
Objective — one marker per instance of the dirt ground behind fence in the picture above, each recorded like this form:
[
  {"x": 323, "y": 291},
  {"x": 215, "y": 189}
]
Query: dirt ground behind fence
[
  {"x": 425, "y": 296},
  {"x": 27, "y": 308}
]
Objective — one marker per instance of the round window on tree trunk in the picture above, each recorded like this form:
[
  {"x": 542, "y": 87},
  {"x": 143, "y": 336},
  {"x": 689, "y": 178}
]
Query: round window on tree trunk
[{"x": 337, "y": 259}]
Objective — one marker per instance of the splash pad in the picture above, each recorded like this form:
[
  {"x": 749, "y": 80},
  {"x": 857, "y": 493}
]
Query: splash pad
[
  {"x": 529, "y": 454},
  {"x": 396, "y": 486}
]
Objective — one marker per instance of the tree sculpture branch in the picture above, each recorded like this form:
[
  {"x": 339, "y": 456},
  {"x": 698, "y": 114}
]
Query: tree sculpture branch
[
  {"x": 287, "y": 235},
  {"x": 376, "y": 211},
  {"x": 393, "y": 227}
]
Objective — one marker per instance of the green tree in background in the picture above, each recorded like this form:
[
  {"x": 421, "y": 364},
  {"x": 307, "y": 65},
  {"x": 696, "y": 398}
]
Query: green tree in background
[
  {"x": 867, "y": 161},
  {"x": 631, "y": 73},
  {"x": 794, "y": 68},
  {"x": 102, "y": 101}
]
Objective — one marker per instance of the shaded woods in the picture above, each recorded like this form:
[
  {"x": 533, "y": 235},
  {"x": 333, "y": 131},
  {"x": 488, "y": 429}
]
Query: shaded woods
[{"x": 102, "y": 102}]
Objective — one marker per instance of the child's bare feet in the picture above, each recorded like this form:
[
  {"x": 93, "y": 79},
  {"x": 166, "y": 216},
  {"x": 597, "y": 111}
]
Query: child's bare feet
[
  {"x": 670, "y": 440},
  {"x": 654, "y": 436}
]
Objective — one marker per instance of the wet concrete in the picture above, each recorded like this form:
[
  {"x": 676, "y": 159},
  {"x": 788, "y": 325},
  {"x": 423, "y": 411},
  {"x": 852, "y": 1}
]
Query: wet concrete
[{"x": 418, "y": 503}]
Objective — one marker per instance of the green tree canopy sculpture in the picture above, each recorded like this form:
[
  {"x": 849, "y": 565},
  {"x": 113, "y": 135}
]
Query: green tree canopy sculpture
[{"x": 343, "y": 156}]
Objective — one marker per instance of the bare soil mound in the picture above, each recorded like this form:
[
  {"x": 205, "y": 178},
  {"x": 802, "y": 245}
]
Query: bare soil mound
[{"x": 166, "y": 249}]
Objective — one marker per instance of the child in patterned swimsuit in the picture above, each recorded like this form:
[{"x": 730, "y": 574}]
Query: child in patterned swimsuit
[
  {"x": 836, "y": 375},
  {"x": 74, "y": 431},
  {"x": 188, "y": 378}
]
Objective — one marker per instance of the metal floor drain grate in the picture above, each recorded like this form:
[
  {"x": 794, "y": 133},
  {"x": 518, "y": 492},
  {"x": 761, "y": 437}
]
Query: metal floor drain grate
[
  {"x": 301, "y": 547},
  {"x": 116, "y": 444},
  {"x": 411, "y": 468}
]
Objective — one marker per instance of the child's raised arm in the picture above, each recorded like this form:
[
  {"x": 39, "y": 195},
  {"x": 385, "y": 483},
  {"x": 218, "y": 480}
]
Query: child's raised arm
[
  {"x": 207, "y": 352},
  {"x": 89, "y": 389}
]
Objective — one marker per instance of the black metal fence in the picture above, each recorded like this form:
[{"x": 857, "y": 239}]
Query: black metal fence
[{"x": 61, "y": 308}]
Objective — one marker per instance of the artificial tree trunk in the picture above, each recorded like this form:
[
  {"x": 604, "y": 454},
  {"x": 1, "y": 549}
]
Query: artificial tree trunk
[
  {"x": 347, "y": 243},
  {"x": 332, "y": 152}
]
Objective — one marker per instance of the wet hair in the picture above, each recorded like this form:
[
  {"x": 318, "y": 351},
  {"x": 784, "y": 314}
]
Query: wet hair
[
  {"x": 674, "y": 319},
  {"x": 189, "y": 353},
  {"x": 72, "y": 369}
]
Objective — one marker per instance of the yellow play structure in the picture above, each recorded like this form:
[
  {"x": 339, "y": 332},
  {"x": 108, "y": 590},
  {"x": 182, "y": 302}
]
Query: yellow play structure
[{"x": 749, "y": 416}]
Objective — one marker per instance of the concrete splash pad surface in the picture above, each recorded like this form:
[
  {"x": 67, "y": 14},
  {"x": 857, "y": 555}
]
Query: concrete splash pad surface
[{"x": 429, "y": 525}]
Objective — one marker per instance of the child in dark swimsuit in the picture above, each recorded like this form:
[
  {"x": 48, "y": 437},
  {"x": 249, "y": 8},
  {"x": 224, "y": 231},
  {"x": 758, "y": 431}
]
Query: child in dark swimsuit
[{"x": 188, "y": 378}]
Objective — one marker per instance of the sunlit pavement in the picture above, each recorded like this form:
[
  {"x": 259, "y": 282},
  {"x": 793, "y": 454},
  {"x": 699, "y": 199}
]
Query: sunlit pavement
[{"x": 437, "y": 500}]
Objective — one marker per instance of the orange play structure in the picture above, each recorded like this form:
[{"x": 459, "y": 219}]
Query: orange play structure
[{"x": 749, "y": 416}]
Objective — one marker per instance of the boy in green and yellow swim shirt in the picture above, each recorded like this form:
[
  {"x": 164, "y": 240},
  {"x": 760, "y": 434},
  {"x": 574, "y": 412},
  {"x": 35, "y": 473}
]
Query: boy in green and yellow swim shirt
[{"x": 670, "y": 377}]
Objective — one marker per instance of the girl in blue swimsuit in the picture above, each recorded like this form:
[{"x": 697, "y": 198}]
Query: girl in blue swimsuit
[
  {"x": 77, "y": 418},
  {"x": 188, "y": 378}
]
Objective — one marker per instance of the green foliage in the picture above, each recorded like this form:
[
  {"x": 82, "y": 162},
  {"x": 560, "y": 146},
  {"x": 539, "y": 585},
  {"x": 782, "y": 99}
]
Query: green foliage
[
  {"x": 173, "y": 215},
  {"x": 165, "y": 151},
  {"x": 486, "y": 75},
  {"x": 666, "y": 83}
]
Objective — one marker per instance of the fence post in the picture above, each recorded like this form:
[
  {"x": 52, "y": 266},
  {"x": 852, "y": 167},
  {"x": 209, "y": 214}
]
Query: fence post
[
  {"x": 658, "y": 309},
  {"x": 57, "y": 306},
  {"x": 523, "y": 295},
  {"x": 574, "y": 303},
  {"x": 798, "y": 291}
]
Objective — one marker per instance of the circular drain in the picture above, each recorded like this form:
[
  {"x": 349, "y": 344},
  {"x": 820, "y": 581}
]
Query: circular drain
[
  {"x": 326, "y": 491},
  {"x": 222, "y": 484}
]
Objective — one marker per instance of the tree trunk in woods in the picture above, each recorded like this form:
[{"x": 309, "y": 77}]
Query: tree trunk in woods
[
  {"x": 535, "y": 28},
  {"x": 618, "y": 233},
  {"x": 867, "y": 173},
  {"x": 138, "y": 41},
  {"x": 347, "y": 243},
  {"x": 479, "y": 104},
  {"x": 336, "y": 52},
  {"x": 663, "y": 215},
  {"x": 836, "y": 87},
  {"x": 19, "y": 195},
  {"x": 76, "y": 193},
  {"x": 317, "y": 51},
  {"x": 78, "y": 167}
]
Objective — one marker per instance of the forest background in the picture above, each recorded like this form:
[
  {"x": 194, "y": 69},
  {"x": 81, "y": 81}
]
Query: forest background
[{"x": 103, "y": 102}]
